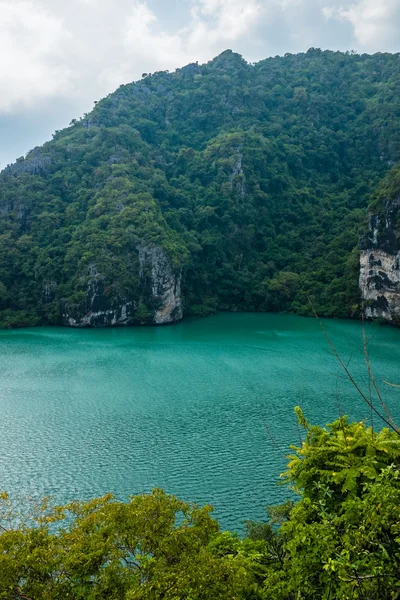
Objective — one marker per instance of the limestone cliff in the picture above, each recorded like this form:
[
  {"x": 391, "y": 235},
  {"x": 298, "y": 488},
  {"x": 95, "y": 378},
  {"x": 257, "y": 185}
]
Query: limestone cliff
[
  {"x": 159, "y": 301},
  {"x": 163, "y": 286},
  {"x": 35, "y": 163},
  {"x": 380, "y": 262}
]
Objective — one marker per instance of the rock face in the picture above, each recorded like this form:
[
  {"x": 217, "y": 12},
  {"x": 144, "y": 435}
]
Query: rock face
[
  {"x": 36, "y": 163},
  {"x": 162, "y": 284},
  {"x": 159, "y": 301},
  {"x": 380, "y": 264}
]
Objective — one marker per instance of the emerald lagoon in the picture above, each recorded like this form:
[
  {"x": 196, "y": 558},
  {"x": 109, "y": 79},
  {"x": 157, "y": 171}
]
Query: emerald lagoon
[{"x": 203, "y": 408}]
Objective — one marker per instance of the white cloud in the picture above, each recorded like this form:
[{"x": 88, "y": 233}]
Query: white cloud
[
  {"x": 329, "y": 12},
  {"x": 57, "y": 56},
  {"x": 32, "y": 42},
  {"x": 217, "y": 21},
  {"x": 54, "y": 48},
  {"x": 145, "y": 47},
  {"x": 375, "y": 23}
]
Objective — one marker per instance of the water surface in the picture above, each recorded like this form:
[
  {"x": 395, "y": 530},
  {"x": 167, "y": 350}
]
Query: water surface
[{"x": 191, "y": 408}]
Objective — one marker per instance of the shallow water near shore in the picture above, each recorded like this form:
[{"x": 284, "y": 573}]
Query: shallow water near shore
[{"x": 191, "y": 408}]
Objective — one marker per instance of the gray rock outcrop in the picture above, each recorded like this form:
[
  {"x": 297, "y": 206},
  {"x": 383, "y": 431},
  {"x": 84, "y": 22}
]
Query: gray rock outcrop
[
  {"x": 158, "y": 301},
  {"x": 161, "y": 283},
  {"x": 36, "y": 163},
  {"x": 380, "y": 265}
]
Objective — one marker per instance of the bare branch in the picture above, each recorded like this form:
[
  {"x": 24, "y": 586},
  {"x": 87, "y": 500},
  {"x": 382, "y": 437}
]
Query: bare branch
[
  {"x": 271, "y": 437},
  {"x": 395, "y": 385},
  {"x": 349, "y": 375},
  {"x": 371, "y": 375}
]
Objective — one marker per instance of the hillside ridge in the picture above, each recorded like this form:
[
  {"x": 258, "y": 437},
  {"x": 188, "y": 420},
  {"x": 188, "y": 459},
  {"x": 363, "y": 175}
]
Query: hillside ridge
[{"x": 246, "y": 187}]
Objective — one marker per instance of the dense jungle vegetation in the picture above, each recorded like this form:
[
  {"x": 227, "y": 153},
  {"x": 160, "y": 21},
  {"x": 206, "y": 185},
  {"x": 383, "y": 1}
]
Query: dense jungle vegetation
[
  {"x": 340, "y": 540},
  {"x": 254, "y": 178}
]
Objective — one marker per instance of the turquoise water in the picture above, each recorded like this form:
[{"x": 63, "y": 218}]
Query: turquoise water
[{"x": 191, "y": 408}]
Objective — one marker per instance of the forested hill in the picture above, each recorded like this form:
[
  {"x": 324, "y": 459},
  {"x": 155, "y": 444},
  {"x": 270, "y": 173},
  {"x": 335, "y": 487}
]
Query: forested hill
[{"x": 220, "y": 186}]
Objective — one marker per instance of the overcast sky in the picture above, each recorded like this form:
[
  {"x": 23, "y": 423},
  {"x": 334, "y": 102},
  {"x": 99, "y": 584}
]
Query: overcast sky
[{"x": 58, "y": 56}]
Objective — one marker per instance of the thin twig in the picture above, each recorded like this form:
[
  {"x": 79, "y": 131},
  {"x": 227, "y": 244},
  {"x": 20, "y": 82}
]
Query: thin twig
[
  {"x": 271, "y": 437},
  {"x": 395, "y": 385},
  {"x": 371, "y": 375},
  {"x": 366, "y": 576},
  {"x": 349, "y": 375}
]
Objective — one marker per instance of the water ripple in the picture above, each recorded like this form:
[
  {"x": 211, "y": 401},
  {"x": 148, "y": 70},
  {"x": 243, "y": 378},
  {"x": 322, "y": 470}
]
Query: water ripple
[{"x": 183, "y": 408}]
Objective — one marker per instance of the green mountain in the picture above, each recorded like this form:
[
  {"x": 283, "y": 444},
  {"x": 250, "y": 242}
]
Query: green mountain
[{"x": 228, "y": 186}]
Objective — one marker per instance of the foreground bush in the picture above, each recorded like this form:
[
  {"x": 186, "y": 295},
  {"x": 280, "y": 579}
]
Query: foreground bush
[{"x": 340, "y": 540}]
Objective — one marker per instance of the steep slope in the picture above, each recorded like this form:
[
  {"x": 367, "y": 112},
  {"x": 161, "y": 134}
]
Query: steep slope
[
  {"x": 220, "y": 186},
  {"x": 380, "y": 252}
]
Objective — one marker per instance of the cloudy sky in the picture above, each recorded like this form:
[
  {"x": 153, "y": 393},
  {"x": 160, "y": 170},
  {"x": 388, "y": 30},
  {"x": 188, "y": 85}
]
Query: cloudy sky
[{"x": 58, "y": 56}]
